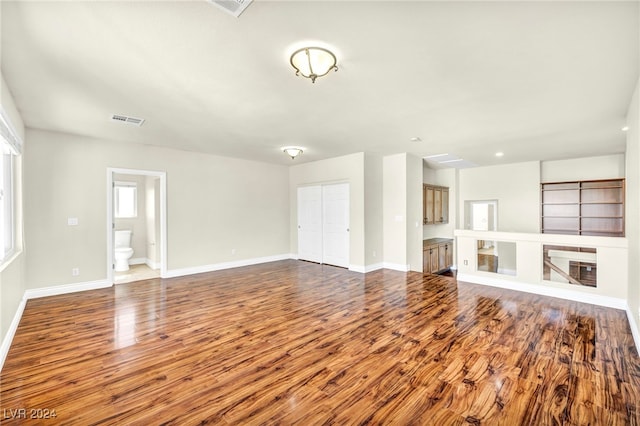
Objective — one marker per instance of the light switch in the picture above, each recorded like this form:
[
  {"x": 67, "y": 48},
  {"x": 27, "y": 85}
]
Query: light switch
[{"x": 72, "y": 221}]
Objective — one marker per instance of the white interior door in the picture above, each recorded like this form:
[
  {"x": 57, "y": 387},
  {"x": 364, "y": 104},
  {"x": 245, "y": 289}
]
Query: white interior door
[
  {"x": 335, "y": 224},
  {"x": 310, "y": 223}
]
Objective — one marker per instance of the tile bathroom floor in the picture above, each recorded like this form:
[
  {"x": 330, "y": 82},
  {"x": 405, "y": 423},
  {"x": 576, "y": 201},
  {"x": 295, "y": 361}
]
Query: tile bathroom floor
[{"x": 136, "y": 273}]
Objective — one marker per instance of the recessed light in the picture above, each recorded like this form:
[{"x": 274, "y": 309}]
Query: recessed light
[
  {"x": 625, "y": 128},
  {"x": 499, "y": 154},
  {"x": 415, "y": 139}
]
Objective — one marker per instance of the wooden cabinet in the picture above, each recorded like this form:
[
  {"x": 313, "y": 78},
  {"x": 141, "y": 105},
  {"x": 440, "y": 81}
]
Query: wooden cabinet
[
  {"x": 444, "y": 206},
  {"x": 435, "y": 204},
  {"x": 583, "y": 208},
  {"x": 437, "y": 255},
  {"x": 427, "y": 204}
]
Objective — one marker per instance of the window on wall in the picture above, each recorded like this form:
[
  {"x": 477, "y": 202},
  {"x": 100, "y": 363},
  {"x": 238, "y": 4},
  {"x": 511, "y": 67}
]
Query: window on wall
[
  {"x": 10, "y": 148},
  {"x": 125, "y": 199},
  {"x": 7, "y": 231}
]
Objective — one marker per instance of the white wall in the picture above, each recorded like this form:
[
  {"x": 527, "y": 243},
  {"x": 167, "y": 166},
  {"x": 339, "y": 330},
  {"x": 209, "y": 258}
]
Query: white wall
[
  {"x": 515, "y": 186},
  {"x": 394, "y": 190},
  {"x": 632, "y": 214},
  {"x": 612, "y": 257},
  {"x": 414, "y": 212},
  {"x": 348, "y": 168},
  {"x": 373, "y": 211},
  {"x": 9, "y": 106},
  {"x": 214, "y": 206},
  {"x": 12, "y": 282},
  {"x": 588, "y": 168}
]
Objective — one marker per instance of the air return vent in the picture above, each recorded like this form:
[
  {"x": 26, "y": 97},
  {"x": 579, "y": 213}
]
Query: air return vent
[
  {"x": 129, "y": 120},
  {"x": 233, "y": 7}
]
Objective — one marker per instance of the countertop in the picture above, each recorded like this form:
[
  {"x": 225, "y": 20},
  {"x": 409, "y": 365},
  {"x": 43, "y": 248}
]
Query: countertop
[{"x": 435, "y": 241}]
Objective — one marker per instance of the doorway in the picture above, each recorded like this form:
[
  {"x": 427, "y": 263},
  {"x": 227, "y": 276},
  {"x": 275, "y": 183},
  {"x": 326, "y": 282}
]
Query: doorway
[
  {"x": 481, "y": 215},
  {"x": 323, "y": 224},
  {"x": 136, "y": 202}
]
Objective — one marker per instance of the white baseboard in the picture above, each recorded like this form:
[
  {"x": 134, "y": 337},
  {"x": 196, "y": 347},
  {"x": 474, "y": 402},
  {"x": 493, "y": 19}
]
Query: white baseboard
[
  {"x": 8, "y": 338},
  {"x": 172, "y": 273},
  {"x": 396, "y": 267},
  {"x": 364, "y": 269},
  {"x": 34, "y": 293},
  {"x": 577, "y": 296},
  {"x": 635, "y": 330},
  {"x": 374, "y": 267}
]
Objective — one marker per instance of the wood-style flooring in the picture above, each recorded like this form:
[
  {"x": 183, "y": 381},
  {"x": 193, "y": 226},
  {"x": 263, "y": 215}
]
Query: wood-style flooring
[{"x": 293, "y": 342}]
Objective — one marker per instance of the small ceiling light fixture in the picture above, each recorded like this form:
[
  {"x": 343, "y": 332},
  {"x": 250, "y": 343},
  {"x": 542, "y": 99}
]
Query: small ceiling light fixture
[
  {"x": 499, "y": 154},
  {"x": 313, "y": 62},
  {"x": 292, "y": 151},
  {"x": 625, "y": 128},
  {"x": 416, "y": 139}
]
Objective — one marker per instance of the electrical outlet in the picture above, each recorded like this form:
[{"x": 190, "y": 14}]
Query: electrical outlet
[
  {"x": 374, "y": 253},
  {"x": 75, "y": 272},
  {"x": 233, "y": 251},
  {"x": 466, "y": 262}
]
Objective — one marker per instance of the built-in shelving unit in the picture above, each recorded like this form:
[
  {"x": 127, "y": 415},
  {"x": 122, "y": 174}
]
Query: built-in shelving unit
[{"x": 584, "y": 208}]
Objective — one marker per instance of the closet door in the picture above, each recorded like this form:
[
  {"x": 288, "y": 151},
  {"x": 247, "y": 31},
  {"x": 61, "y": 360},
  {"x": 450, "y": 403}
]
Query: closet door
[
  {"x": 335, "y": 224},
  {"x": 310, "y": 223}
]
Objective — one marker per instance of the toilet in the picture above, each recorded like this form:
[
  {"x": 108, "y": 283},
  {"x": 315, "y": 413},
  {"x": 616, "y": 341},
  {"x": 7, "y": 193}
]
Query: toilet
[{"x": 123, "y": 250}]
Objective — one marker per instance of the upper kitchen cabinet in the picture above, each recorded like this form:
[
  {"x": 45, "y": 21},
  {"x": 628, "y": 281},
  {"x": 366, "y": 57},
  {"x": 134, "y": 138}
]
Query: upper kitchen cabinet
[{"x": 435, "y": 207}]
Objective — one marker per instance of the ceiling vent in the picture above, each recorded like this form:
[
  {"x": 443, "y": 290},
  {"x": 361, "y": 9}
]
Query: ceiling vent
[
  {"x": 129, "y": 120},
  {"x": 233, "y": 7}
]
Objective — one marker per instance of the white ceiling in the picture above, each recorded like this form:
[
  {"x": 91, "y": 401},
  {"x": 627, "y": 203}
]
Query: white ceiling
[{"x": 535, "y": 80}]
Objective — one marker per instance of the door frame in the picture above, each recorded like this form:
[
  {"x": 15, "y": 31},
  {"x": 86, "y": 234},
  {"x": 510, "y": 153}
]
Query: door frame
[{"x": 163, "y": 216}]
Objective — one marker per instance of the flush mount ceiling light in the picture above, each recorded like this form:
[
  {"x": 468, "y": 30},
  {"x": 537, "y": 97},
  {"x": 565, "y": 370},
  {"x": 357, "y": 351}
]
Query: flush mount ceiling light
[
  {"x": 292, "y": 151},
  {"x": 313, "y": 62}
]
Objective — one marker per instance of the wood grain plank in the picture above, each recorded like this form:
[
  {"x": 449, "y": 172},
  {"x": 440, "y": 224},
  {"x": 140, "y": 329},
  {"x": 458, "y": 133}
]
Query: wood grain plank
[{"x": 294, "y": 342}]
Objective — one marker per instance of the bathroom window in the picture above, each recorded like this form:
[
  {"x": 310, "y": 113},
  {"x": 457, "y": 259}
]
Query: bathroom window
[{"x": 125, "y": 199}]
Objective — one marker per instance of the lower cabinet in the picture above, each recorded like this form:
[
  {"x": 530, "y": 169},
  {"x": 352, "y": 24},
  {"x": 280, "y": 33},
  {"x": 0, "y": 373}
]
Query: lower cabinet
[{"x": 437, "y": 255}]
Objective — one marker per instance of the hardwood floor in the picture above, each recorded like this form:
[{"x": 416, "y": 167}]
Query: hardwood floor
[{"x": 293, "y": 342}]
